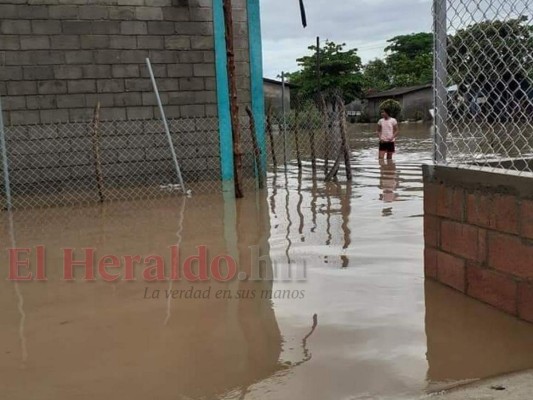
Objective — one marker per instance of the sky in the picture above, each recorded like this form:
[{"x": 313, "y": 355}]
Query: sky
[{"x": 362, "y": 24}]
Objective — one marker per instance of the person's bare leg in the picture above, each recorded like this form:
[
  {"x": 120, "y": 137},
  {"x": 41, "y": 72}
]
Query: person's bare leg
[
  {"x": 382, "y": 155},
  {"x": 389, "y": 155}
]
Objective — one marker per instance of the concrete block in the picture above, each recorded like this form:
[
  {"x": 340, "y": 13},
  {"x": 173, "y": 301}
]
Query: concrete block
[
  {"x": 140, "y": 113},
  {"x": 107, "y": 56},
  {"x": 177, "y": 43},
  {"x": 113, "y": 114},
  {"x": 80, "y": 114},
  {"x": 41, "y": 102},
  {"x": 82, "y": 86},
  {"x": 202, "y": 43},
  {"x": 163, "y": 56},
  {"x": 53, "y": 116},
  {"x": 193, "y": 28},
  {"x": 9, "y": 42},
  {"x": 133, "y": 56},
  {"x": 67, "y": 71},
  {"x": 15, "y": 27},
  {"x": 77, "y": 27},
  {"x": 191, "y": 84},
  {"x": 122, "y": 13},
  {"x": 128, "y": 99},
  {"x": 63, "y": 12},
  {"x": 10, "y": 74},
  {"x": 176, "y": 14},
  {"x": 106, "y": 27},
  {"x": 71, "y": 101},
  {"x": 179, "y": 70},
  {"x": 204, "y": 70},
  {"x": 123, "y": 42},
  {"x": 38, "y": 73},
  {"x": 13, "y": 103},
  {"x": 105, "y": 99},
  {"x": 149, "y": 13},
  {"x": 133, "y": 28},
  {"x": 110, "y": 86},
  {"x": 125, "y": 71},
  {"x": 46, "y": 57},
  {"x": 65, "y": 42},
  {"x": 190, "y": 111},
  {"x": 31, "y": 12},
  {"x": 95, "y": 41},
  {"x": 9, "y": 11},
  {"x": 160, "y": 71},
  {"x": 149, "y": 99},
  {"x": 79, "y": 57},
  {"x": 21, "y": 88},
  {"x": 96, "y": 71},
  {"x": 150, "y": 42},
  {"x": 168, "y": 84},
  {"x": 160, "y": 28},
  {"x": 34, "y": 42},
  {"x": 191, "y": 57},
  {"x": 93, "y": 12},
  {"x": 201, "y": 14},
  {"x": 48, "y": 27}
]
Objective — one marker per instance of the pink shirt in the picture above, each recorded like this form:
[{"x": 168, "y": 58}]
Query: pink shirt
[{"x": 387, "y": 129}]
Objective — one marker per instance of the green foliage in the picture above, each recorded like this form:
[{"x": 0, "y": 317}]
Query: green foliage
[
  {"x": 492, "y": 51},
  {"x": 409, "y": 62},
  {"x": 377, "y": 76},
  {"x": 410, "y": 59},
  {"x": 393, "y": 106},
  {"x": 339, "y": 69}
]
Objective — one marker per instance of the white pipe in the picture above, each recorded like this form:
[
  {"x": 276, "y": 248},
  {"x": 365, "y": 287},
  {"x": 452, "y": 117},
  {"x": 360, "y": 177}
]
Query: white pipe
[{"x": 167, "y": 130}]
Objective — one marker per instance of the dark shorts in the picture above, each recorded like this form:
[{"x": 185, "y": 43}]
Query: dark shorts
[{"x": 389, "y": 147}]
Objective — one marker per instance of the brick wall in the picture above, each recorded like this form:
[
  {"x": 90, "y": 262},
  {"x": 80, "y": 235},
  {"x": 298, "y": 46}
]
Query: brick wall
[
  {"x": 478, "y": 230},
  {"x": 59, "y": 57}
]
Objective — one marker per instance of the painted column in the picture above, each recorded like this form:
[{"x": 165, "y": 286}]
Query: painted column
[
  {"x": 224, "y": 117},
  {"x": 256, "y": 75}
]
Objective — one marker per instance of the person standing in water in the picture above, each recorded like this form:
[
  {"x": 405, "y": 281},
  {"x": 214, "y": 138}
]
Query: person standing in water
[{"x": 387, "y": 132}]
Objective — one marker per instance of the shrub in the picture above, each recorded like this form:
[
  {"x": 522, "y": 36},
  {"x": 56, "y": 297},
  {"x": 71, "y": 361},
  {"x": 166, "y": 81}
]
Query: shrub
[{"x": 393, "y": 106}]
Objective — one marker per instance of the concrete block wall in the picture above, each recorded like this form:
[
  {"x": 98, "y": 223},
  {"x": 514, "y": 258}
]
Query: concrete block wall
[
  {"x": 59, "y": 57},
  {"x": 478, "y": 229}
]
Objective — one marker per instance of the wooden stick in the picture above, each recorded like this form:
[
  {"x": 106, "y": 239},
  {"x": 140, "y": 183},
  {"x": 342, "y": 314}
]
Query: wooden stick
[
  {"x": 257, "y": 151},
  {"x": 323, "y": 109},
  {"x": 271, "y": 136},
  {"x": 345, "y": 144},
  {"x": 95, "y": 136},
  {"x": 297, "y": 139},
  {"x": 235, "y": 123}
]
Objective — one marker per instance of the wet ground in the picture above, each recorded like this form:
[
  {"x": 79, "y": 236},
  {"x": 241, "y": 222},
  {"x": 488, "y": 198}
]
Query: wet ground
[{"x": 346, "y": 315}]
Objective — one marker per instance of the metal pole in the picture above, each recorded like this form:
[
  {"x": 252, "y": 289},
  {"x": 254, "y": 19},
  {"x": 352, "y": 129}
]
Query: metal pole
[
  {"x": 5, "y": 161},
  {"x": 440, "y": 80},
  {"x": 318, "y": 63},
  {"x": 167, "y": 130},
  {"x": 284, "y": 119}
]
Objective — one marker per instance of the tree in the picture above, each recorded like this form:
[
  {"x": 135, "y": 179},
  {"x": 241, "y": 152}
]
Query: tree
[
  {"x": 339, "y": 69},
  {"x": 410, "y": 59},
  {"x": 494, "y": 59},
  {"x": 376, "y": 76}
]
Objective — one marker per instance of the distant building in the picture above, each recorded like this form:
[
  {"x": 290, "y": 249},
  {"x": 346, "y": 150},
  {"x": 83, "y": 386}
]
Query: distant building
[
  {"x": 273, "y": 94},
  {"x": 416, "y": 101}
]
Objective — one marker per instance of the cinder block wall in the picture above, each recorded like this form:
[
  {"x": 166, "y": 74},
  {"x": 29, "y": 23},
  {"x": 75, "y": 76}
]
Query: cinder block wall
[
  {"x": 59, "y": 57},
  {"x": 478, "y": 229}
]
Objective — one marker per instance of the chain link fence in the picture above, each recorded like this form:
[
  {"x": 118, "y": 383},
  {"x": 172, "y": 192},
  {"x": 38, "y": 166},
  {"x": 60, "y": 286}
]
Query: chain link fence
[
  {"x": 83, "y": 163},
  {"x": 484, "y": 83}
]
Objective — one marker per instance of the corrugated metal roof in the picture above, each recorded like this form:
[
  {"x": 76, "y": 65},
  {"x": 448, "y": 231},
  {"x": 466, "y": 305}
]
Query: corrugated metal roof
[{"x": 398, "y": 91}]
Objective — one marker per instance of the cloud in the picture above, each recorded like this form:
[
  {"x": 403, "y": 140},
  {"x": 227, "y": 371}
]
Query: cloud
[{"x": 364, "y": 24}]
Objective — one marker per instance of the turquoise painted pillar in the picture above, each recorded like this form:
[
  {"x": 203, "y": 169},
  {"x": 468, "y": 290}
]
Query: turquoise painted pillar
[
  {"x": 256, "y": 75},
  {"x": 224, "y": 117}
]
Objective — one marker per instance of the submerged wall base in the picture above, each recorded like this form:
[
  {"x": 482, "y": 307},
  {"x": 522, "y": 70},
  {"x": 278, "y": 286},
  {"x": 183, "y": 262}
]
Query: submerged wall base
[{"x": 478, "y": 230}]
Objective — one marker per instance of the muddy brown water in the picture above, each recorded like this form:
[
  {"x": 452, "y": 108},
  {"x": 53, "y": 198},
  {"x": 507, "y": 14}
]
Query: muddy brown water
[{"x": 355, "y": 256}]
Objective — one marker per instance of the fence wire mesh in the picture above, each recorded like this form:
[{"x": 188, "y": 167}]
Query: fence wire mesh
[
  {"x": 81, "y": 163},
  {"x": 484, "y": 83}
]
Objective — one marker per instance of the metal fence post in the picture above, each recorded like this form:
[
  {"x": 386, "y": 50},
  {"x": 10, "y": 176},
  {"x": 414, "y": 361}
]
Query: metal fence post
[
  {"x": 440, "y": 80},
  {"x": 284, "y": 118},
  {"x": 5, "y": 162}
]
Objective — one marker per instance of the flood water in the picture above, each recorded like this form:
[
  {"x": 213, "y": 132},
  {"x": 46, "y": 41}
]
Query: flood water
[{"x": 346, "y": 313}]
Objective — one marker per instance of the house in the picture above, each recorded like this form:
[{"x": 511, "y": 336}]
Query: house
[
  {"x": 57, "y": 66},
  {"x": 416, "y": 101},
  {"x": 273, "y": 91}
]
